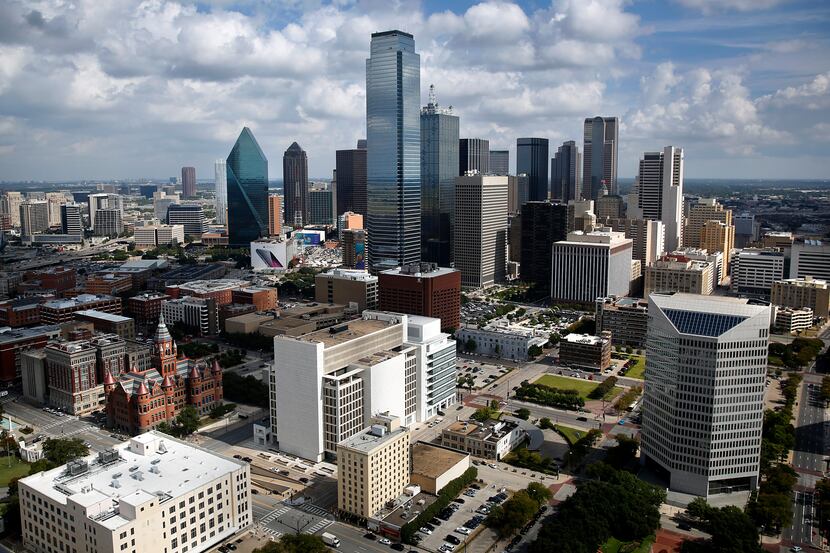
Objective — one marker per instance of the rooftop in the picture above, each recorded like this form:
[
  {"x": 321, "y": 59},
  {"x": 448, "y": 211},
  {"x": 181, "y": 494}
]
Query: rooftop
[
  {"x": 433, "y": 461},
  {"x": 584, "y": 339},
  {"x": 152, "y": 465},
  {"x": 347, "y": 274},
  {"x": 213, "y": 285},
  {"x": 29, "y": 333},
  {"x": 103, "y": 316},
  {"x": 371, "y": 438},
  {"x": 603, "y": 236},
  {"x": 76, "y": 301},
  {"x": 706, "y": 315},
  {"x": 420, "y": 270},
  {"x": 491, "y": 431},
  {"x": 346, "y": 332}
]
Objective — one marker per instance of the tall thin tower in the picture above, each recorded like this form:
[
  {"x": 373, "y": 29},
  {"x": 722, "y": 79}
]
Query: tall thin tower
[
  {"x": 393, "y": 134},
  {"x": 295, "y": 185},
  {"x": 221, "y": 185},
  {"x": 599, "y": 156},
  {"x": 659, "y": 188}
]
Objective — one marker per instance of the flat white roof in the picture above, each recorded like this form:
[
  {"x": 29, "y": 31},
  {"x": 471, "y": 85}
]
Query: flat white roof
[
  {"x": 105, "y": 316},
  {"x": 180, "y": 468}
]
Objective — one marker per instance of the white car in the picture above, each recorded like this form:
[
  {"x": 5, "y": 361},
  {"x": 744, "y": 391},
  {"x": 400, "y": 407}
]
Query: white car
[
  {"x": 463, "y": 531},
  {"x": 425, "y": 530},
  {"x": 493, "y": 466},
  {"x": 384, "y": 541}
]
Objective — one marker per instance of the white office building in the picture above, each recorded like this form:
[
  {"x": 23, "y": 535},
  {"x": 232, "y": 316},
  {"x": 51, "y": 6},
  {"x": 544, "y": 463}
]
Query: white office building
[
  {"x": 200, "y": 314},
  {"x": 480, "y": 229},
  {"x": 703, "y": 407},
  {"x": 327, "y": 385},
  {"x": 810, "y": 258},
  {"x": 221, "y": 190},
  {"x": 502, "y": 340},
  {"x": 658, "y": 193},
  {"x": 591, "y": 265},
  {"x": 755, "y": 270},
  {"x": 152, "y": 494},
  {"x": 151, "y": 236}
]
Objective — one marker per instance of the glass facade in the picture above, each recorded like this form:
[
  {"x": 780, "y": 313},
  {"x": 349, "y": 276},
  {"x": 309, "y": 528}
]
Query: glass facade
[
  {"x": 247, "y": 191},
  {"x": 295, "y": 185},
  {"x": 532, "y": 160},
  {"x": 439, "y": 165},
  {"x": 393, "y": 134}
]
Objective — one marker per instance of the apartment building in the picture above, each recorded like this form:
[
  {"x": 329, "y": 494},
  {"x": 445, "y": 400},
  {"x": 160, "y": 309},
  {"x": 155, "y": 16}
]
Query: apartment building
[
  {"x": 345, "y": 286},
  {"x": 803, "y": 292},
  {"x": 706, "y": 209},
  {"x": 151, "y": 494},
  {"x": 372, "y": 467},
  {"x": 755, "y": 270}
]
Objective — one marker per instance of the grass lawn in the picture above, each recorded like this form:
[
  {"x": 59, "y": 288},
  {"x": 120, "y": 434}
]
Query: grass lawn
[
  {"x": 18, "y": 468},
  {"x": 639, "y": 368},
  {"x": 616, "y": 546},
  {"x": 612, "y": 393},
  {"x": 571, "y": 435},
  {"x": 584, "y": 387}
]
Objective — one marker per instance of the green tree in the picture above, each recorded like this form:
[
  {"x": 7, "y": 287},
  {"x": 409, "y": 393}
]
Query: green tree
[
  {"x": 187, "y": 420},
  {"x": 624, "y": 453},
  {"x": 699, "y": 508},
  {"x": 295, "y": 543},
  {"x": 732, "y": 531},
  {"x": 545, "y": 423},
  {"x": 539, "y": 493},
  {"x": 470, "y": 345},
  {"x": 523, "y": 413},
  {"x": 61, "y": 451},
  {"x": 513, "y": 514}
]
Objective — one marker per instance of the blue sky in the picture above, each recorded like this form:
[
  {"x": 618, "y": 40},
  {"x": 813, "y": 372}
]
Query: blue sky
[{"x": 141, "y": 88}]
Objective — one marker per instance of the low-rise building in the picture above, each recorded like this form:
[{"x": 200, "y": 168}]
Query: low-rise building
[
  {"x": 500, "y": 339},
  {"x": 792, "y": 320},
  {"x": 201, "y": 314},
  {"x": 625, "y": 318},
  {"x": 372, "y": 467},
  {"x": 124, "y": 499},
  {"x": 220, "y": 289},
  {"x": 803, "y": 292},
  {"x": 433, "y": 466},
  {"x": 586, "y": 351},
  {"x": 107, "y": 322},
  {"x": 21, "y": 311},
  {"x": 111, "y": 284},
  {"x": 59, "y": 311},
  {"x": 263, "y": 298},
  {"x": 674, "y": 273},
  {"x": 149, "y": 237},
  {"x": 490, "y": 440},
  {"x": 246, "y": 324},
  {"x": 14, "y": 342},
  {"x": 346, "y": 286},
  {"x": 72, "y": 375}
]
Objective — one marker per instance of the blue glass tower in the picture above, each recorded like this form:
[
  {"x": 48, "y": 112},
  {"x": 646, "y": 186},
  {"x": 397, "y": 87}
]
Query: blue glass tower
[
  {"x": 247, "y": 191},
  {"x": 439, "y": 167},
  {"x": 393, "y": 159}
]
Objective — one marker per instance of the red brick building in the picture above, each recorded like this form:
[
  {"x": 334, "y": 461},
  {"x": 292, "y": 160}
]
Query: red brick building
[
  {"x": 63, "y": 311},
  {"x": 422, "y": 289},
  {"x": 21, "y": 311},
  {"x": 14, "y": 342},
  {"x": 58, "y": 279},
  {"x": 111, "y": 284},
  {"x": 220, "y": 289},
  {"x": 261, "y": 297},
  {"x": 138, "y": 401},
  {"x": 145, "y": 308}
]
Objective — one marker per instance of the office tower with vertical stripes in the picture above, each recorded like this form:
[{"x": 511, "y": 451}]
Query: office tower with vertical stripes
[{"x": 599, "y": 157}]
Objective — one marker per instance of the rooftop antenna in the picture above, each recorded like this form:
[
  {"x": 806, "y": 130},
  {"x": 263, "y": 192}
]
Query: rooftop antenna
[{"x": 432, "y": 101}]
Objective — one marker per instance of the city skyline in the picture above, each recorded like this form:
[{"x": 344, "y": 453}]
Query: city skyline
[{"x": 742, "y": 87}]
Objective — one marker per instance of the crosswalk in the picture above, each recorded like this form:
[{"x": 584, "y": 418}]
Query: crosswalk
[
  {"x": 319, "y": 525},
  {"x": 314, "y": 510},
  {"x": 271, "y": 532},
  {"x": 275, "y": 514}
]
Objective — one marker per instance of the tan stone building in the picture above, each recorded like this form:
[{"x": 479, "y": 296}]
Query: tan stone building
[
  {"x": 344, "y": 286},
  {"x": 706, "y": 209},
  {"x": 803, "y": 292},
  {"x": 373, "y": 467},
  {"x": 679, "y": 274},
  {"x": 716, "y": 236}
]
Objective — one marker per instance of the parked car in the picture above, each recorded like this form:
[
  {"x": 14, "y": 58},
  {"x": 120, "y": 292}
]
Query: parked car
[
  {"x": 425, "y": 530},
  {"x": 452, "y": 539},
  {"x": 370, "y": 536},
  {"x": 462, "y": 530},
  {"x": 385, "y": 541}
]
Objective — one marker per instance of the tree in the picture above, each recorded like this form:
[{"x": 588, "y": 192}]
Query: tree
[
  {"x": 494, "y": 405},
  {"x": 539, "y": 493},
  {"x": 545, "y": 423},
  {"x": 624, "y": 453},
  {"x": 482, "y": 414},
  {"x": 513, "y": 514},
  {"x": 295, "y": 543},
  {"x": 61, "y": 451},
  {"x": 731, "y": 529},
  {"x": 187, "y": 420},
  {"x": 523, "y": 413},
  {"x": 470, "y": 345},
  {"x": 534, "y": 351}
]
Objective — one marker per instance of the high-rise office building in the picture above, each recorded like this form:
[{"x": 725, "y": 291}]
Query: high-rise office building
[
  {"x": 703, "y": 407},
  {"x": 543, "y": 223},
  {"x": 599, "y": 151},
  {"x": 566, "y": 173},
  {"x": 473, "y": 155},
  {"x": 678, "y": 273},
  {"x": 609, "y": 206},
  {"x": 439, "y": 167},
  {"x": 34, "y": 217},
  {"x": 220, "y": 182},
  {"x": 353, "y": 242},
  {"x": 274, "y": 214},
  {"x": 532, "y": 160},
  {"x": 705, "y": 209},
  {"x": 423, "y": 289},
  {"x": 10, "y": 205},
  {"x": 54, "y": 202},
  {"x": 393, "y": 131},
  {"x": 103, "y": 201},
  {"x": 755, "y": 270},
  {"x": 716, "y": 236},
  {"x": 188, "y": 182},
  {"x": 518, "y": 192},
  {"x": 247, "y": 191},
  {"x": 746, "y": 229},
  {"x": 591, "y": 265},
  {"x": 71, "y": 221},
  {"x": 320, "y": 205},
  {"x": 500, "y": 162},
  {"x": 108, "y": 222},
  {"x": 480, "y": 232},
  {"x": 659, "y": 189},
  {"x": 810, "y": 258},
  {"x": 647, "y": 236},
  {"x": 351, "y": 180},
  {"x": 191, "y": 217},
  {"x": 295, "y": 185}
]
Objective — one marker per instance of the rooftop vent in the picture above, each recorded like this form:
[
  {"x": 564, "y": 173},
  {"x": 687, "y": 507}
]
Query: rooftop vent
[
  {"x": 115, "y": 484},
  {"x": 77, "y": 467}
]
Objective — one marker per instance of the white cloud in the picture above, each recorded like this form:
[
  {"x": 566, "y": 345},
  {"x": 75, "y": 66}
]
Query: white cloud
[
  {"x": 710, "y": 6},
  {"x": 813, "y": 95}
]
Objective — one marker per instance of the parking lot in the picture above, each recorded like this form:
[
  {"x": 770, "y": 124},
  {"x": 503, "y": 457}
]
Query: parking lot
[
  {"x": 466, "y": 511},
  {"x": 483, "y": 373}
]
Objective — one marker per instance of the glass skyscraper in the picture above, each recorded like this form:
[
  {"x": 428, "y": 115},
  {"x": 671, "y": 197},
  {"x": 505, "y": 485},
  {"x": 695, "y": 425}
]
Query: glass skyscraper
[
  {"x": 247, "y": 191},
  {"x": 295, "y": 185},
  {"x": 532, "y": 160},
  {"x": 439, "y": 167},
  {"x": 599, "y": 157},
  {"x": 393, "y": 134}
]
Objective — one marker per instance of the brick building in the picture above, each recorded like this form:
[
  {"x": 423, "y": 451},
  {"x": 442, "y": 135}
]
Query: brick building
[
  {"x": 139, "y": 401},
  {"x": 14, "y": 342},
  {"x": 422, "y": 289},
  {"x": 63, "y": 310},
  {"x": 111, "y": 284},
  {"x": 21, "y": 311},
  {"x": 220, "y": 289},
  {"x": 145, "y": 309},
  {"x": 58, "y": 279},
  {"x": 261, "y": 297}
]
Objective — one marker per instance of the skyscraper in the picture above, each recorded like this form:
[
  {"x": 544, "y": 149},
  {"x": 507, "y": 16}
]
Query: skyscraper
[
  {"x": 351, "y": 180},
  {"x": 439, "y": 165},
  {"x": 189, "y": 182},
  {"x": 500, "y": 162},
  {"x": 480, "y": 233},
  {"x": 543, "y": 224},
  {"x": 220, "y": 182},
  {"x": 34, "y": 217},
  {"x": 599, "y": 169},
  {"x": 532, "y": 160},
  {"x": 71, "y": 222},
  {"x": 295, "y": 185},
  {"x": 10, "y": 205},
  {"x": 320, "y": 205},
  {"x": 703, "y": 407},
  {"x": 192, "y": 217},
  {"x": 566, "y": 173},
  {"x": 659, "y": 188},
  {"x": 393, "y": 133},
  {"x": 474, "y": 155},
  {"x": 247, "y": 191},
  {"x": 274, "y": 214}
]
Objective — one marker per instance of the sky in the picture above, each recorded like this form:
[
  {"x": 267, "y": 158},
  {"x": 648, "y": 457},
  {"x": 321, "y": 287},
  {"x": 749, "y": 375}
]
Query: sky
[{"x": 130, "y": 88}]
